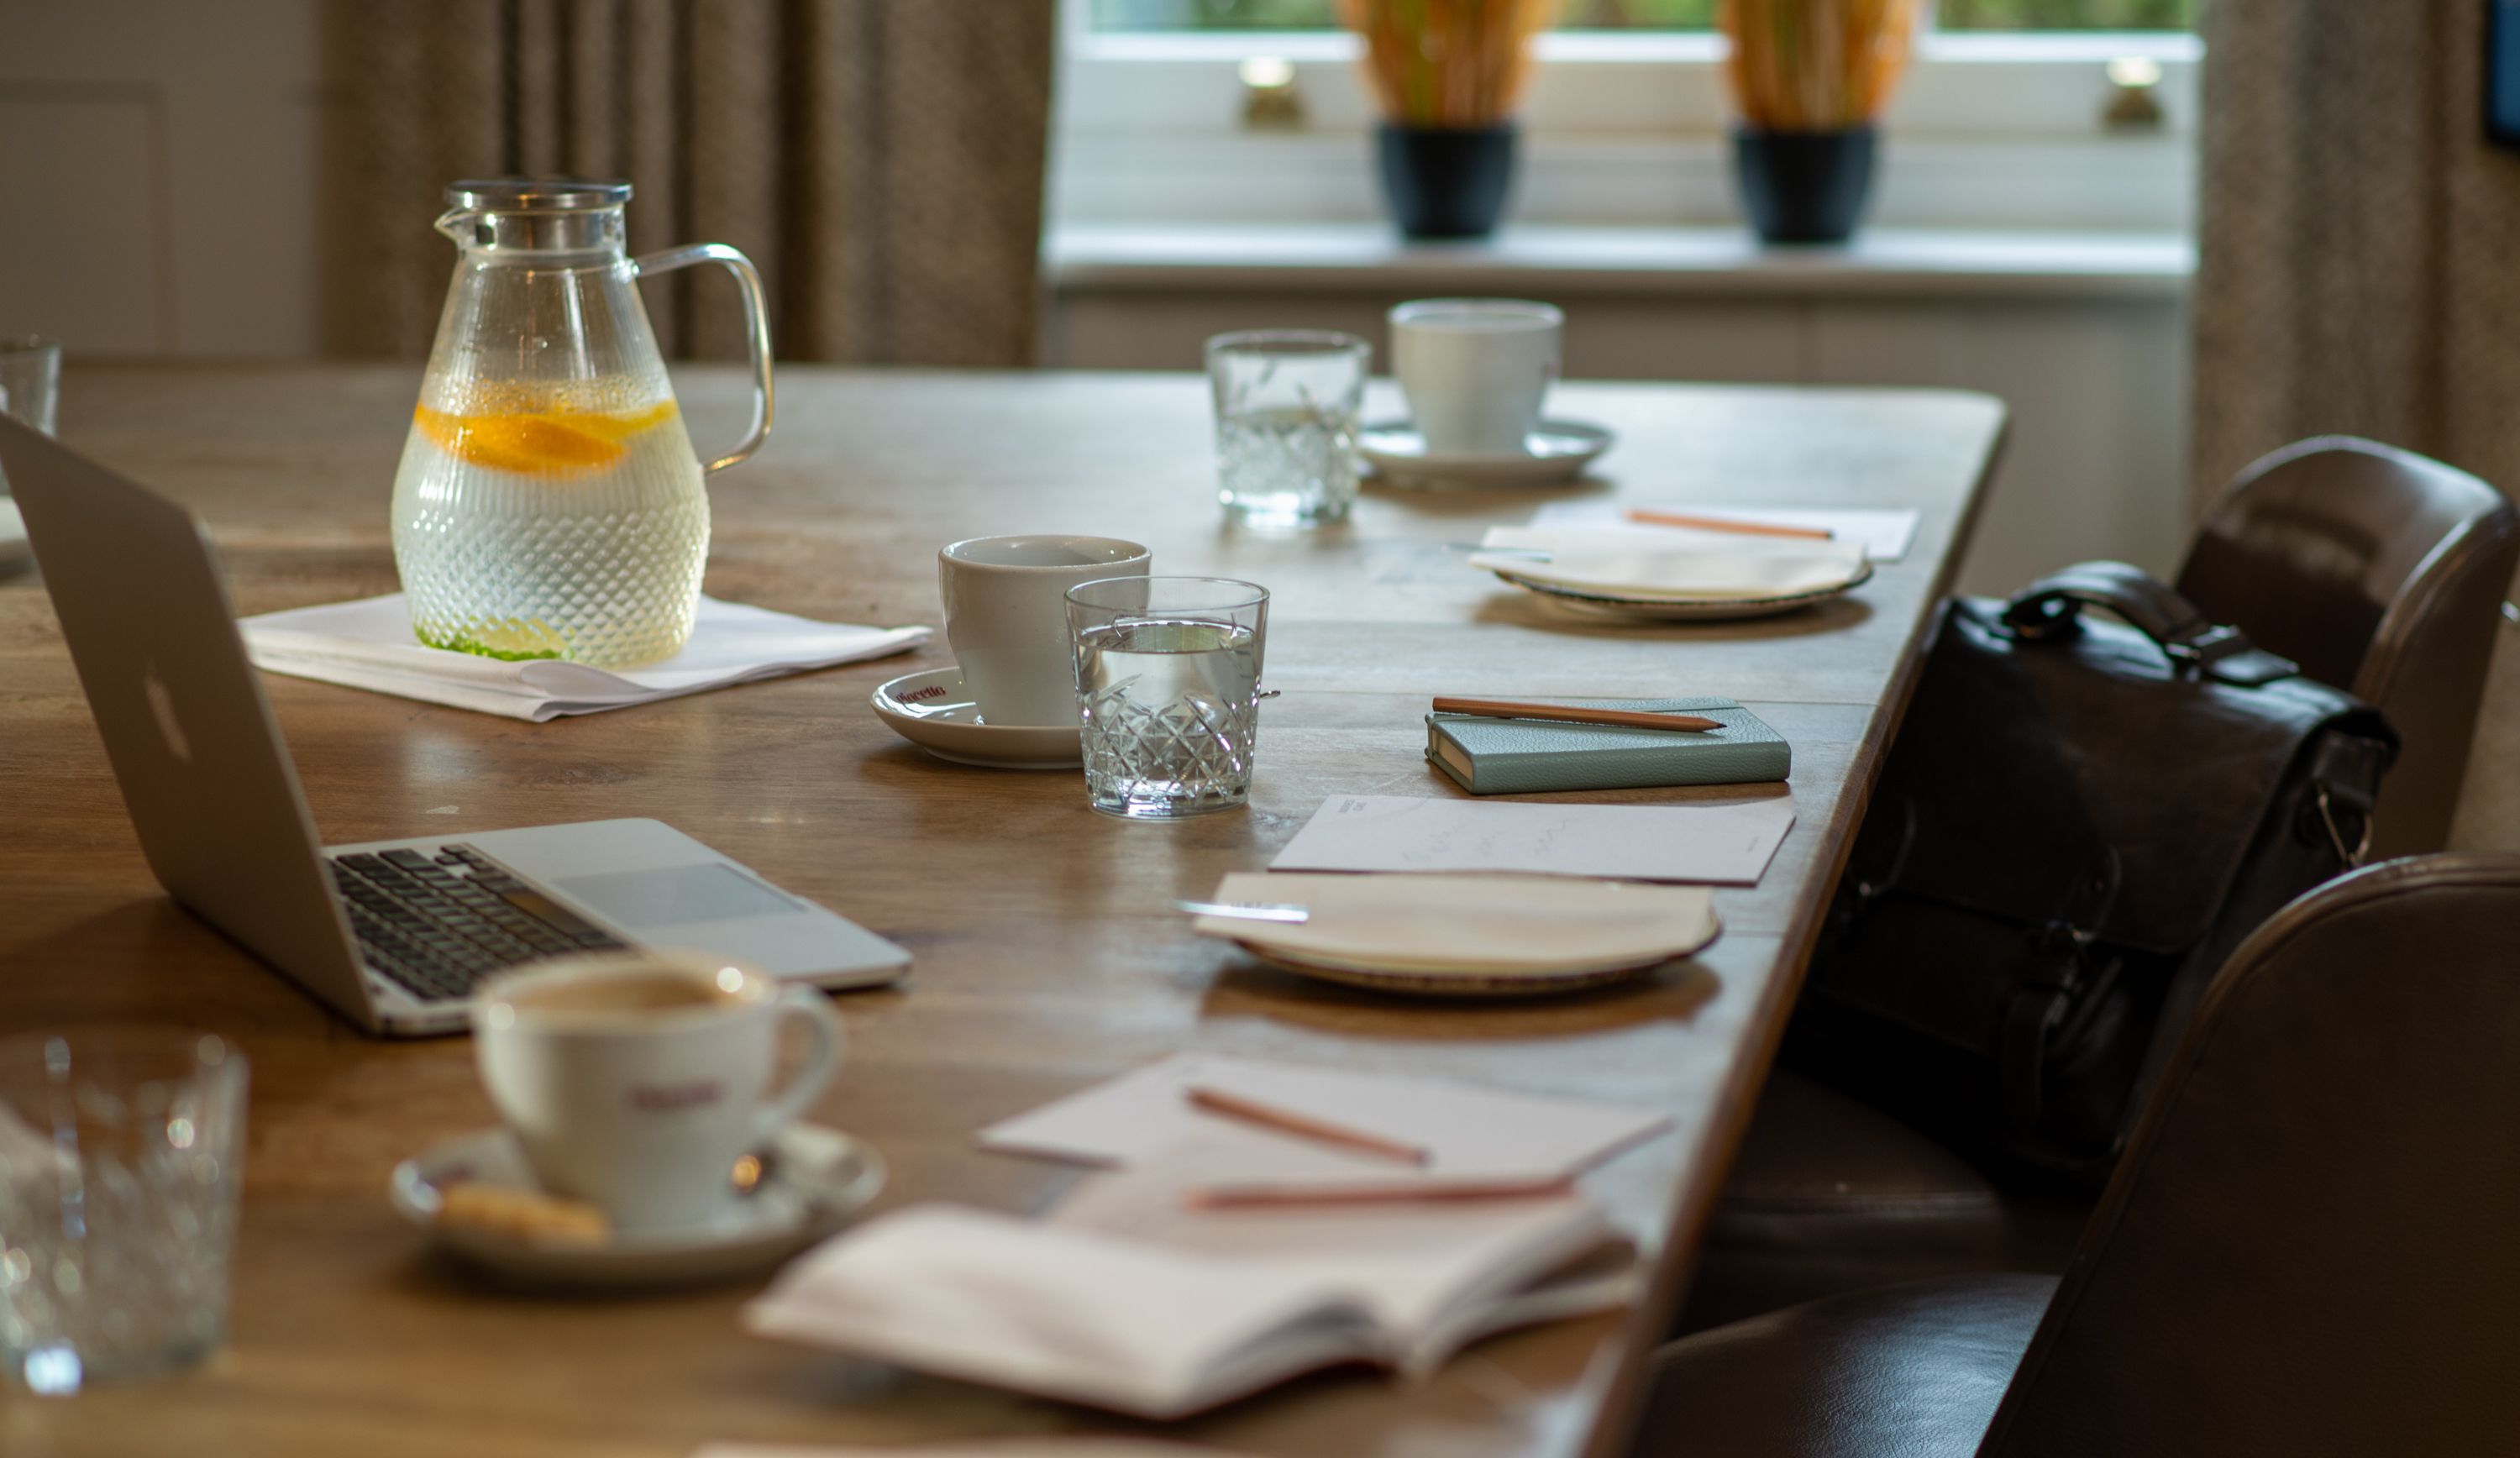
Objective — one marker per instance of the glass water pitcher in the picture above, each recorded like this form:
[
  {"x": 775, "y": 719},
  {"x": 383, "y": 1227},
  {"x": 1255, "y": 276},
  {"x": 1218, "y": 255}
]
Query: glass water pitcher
[{"x": 549, "y": 504}]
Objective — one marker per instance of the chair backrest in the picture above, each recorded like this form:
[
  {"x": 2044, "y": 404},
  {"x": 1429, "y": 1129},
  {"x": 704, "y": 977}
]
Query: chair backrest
[
  {"x": 2313, "y": 1244},
  {"x": 2382, "y": 573}
]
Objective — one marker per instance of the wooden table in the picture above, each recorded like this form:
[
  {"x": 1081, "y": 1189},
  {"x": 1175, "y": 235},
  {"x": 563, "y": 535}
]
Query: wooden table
[{"x": 1046, "y": 958}]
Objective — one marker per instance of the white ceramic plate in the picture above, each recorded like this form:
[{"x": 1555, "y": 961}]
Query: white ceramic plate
[
  {"x": 1459, "y": 936},
  {"x": 814, "y": 1180},
  {"x": 14, "y": 549},
  {"x": 1554, "y": 452},
  {"x": 934, "y": 711},
  {"x": 1450, "y": 982},
  {"x": 1679, "y": 610}
]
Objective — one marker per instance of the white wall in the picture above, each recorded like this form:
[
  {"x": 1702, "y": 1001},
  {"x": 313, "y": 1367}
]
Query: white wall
[{"x": 157, "y": 174}]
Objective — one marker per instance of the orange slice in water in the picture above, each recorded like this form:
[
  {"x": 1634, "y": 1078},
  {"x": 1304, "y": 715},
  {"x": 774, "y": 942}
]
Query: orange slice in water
[{"x": 541, "y": 441}]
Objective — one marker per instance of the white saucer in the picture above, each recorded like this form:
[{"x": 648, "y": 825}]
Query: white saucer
[
  {"x": 1679, "y": 610},
  {"x": 1556, "y": 451},
  {"x": 1467, "y": 936},
  {"x": 813, "y": 1179},
  {"x": 1452, "y": 982},
  {"x": 934, "y": 711},
  {"x": 14, "y": 549}
]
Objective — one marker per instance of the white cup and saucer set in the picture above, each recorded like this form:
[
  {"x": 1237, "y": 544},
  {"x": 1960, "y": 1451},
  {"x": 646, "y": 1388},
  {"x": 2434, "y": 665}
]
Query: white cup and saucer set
[
  {"x": 1476, "y": 371},
  {"x": 640, "y": 1144},
  {"x": 1009, "y": 701}
]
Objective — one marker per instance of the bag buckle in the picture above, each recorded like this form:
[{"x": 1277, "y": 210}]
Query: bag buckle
[
  {"x": 2062, "y": 948},
  {"x": 2336, "y": 838},
  {"x": 2203, "y": 649}
]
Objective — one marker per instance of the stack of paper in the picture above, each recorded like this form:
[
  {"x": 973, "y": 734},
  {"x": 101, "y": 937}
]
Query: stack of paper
[
  {"x": 1141, "y": 1296},
  {"x": 368, "y": 645}
]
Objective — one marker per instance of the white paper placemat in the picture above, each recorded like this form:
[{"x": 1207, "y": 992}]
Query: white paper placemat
[
  {"x": 1884, "y": 533},
  {"x": 1724, "y": 844},
  {"x": 368, "y": 645},
  {"x": 1465, "y": 1127},
  {"x": 1690, "y": 566}
]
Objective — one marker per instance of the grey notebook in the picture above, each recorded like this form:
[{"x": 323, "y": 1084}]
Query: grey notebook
[{"x": 1525, "y": 755}]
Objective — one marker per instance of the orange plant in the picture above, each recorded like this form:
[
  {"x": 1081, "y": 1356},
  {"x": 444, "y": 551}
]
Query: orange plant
[
  {"x": 1448, "y": 64},
  {"x": 1816, "y": 66}
]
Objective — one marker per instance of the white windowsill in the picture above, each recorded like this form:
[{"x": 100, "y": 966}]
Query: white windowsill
[{"x": 1367, "y": 258}]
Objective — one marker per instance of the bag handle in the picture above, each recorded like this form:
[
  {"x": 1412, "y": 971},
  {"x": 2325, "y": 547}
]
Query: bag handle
[{"x": 2050, "y": 610}]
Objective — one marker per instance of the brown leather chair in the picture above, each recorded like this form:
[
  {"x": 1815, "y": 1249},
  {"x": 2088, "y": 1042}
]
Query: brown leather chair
[
  {"x": 2308, "y": 1250},
  {"x": 2380, "y": 572}
]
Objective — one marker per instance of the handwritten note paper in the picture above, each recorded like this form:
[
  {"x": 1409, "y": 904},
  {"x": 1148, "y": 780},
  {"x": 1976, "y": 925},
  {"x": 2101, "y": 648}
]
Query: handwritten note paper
[
  {"x": 1886, "y": 533},
  {"x": 1464, "y": 1128},
  {"x": 1726, "y": 845}
]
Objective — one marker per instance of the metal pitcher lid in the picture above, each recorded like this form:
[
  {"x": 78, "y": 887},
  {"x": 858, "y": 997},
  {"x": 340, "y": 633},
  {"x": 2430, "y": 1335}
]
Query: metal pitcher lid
[{"x": 536, "y": 193}]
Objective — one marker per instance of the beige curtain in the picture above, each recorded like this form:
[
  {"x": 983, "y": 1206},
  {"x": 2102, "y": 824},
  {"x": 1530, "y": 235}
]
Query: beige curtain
[
  {"x": 882, "y": 160},
  {"x": 2357, "y": 268}
]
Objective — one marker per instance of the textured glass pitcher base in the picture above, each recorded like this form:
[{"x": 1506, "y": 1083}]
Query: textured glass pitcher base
[
  {"x": 608, "y": 590},
  {"x": 575, "y": 536}
]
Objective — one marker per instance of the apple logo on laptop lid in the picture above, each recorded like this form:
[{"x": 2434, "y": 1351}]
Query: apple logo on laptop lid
[{"x": 162, "y": 706}]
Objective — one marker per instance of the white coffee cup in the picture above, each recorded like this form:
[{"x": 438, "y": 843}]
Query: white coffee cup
[
  {"x": 1475, "y": 370},
  {"x": 1006, "y": 614},
  {"x": 635, "y": 1080}
]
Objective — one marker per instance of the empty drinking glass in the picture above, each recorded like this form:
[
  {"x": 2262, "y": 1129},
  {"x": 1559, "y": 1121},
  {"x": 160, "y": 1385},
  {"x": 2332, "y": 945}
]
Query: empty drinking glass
[
  {"x": 121, "y": 1151},
  {"x": 1168, "y": 683},
  {"x": 1287, "y": 403},
  {"x": 31, "y": 379}
]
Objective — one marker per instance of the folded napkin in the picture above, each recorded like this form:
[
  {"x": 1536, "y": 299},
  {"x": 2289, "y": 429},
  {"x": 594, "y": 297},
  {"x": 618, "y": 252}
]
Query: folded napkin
[
  {"x": 1884, "y": 532},
  {"x": 1692, "y": 566},
  {"x": 368, "y": 645}
]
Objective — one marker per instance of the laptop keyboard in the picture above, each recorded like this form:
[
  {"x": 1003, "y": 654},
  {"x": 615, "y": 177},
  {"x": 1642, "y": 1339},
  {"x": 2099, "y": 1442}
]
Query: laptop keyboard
[{"x": 438, "y": 924}]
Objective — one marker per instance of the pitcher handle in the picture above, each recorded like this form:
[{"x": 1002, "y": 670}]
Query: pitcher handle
[{"x": 756, "y": 317}]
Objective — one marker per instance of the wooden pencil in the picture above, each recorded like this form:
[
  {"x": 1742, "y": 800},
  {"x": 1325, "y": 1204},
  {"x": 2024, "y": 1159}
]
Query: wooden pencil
[
  {"x": 1288, "y": 1121},
  {"x": 1432, "y": 1191},
  {"x": 1498, "y": 708},
  {"x": 1652, "y": 517}
]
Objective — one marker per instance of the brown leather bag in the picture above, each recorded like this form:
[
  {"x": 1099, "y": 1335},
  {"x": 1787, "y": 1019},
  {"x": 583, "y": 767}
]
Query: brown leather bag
[{"x": 2079, "y": 821}]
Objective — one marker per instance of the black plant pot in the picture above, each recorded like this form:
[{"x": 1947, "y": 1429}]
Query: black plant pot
[
  {"x": 1805, "y": 187},
  {"x": 1447, "y": 182}
]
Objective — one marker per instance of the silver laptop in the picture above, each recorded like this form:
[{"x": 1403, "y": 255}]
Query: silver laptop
[{"x": 394, "y": 934}]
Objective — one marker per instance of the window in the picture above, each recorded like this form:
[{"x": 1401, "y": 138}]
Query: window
[
  {"x": 1997, "y": 125},
  {"x": 1649, "y": 15}
]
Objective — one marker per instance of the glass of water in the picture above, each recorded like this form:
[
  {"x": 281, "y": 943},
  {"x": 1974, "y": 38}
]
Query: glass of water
[
  {"x": 1168, "y": 683},
  {"x": 121, "y": 1152},
  {"x": 1287, "y": 403},
  {"x": 31, "y": 379}
]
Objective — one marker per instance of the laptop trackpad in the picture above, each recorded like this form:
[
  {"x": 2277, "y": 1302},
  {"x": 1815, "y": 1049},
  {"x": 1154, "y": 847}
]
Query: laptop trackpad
[{"x": 674, "y": 895}]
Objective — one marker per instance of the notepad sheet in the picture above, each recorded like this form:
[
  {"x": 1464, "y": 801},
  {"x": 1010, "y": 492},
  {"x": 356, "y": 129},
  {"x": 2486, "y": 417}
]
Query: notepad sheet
[
  {"x": 1724, "y": 845},
  {"x": 1465, "y": 1127},
  {"x": 1886, "y": 533}
]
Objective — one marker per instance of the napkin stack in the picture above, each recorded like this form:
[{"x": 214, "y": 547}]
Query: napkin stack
[{"x": 368, "y": 645}]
